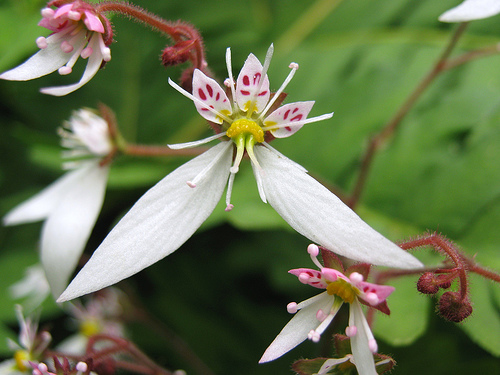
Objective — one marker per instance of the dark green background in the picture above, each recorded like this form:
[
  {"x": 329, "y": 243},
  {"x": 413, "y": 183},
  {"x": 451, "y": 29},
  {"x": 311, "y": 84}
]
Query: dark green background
[{"x": 361, "y": 59}]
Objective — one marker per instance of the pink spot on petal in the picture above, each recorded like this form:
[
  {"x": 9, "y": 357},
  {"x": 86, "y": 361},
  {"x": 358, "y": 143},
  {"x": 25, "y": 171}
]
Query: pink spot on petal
[
  {"x": 246, "y": 81},
  {"x": 202, "y": 94},
  {"x": 288, "y": 128},
  {"x": 256, "y": 78},
  {"x": 285, "y": 116},
  {"x": 263, "y": 93},
  {"x": 217, "y": 97},
  {"x": 295, "y": 110},
  {"x": 210, "y": 90},
  {"x": 297, "y": 118},
  {"x": 244, "y": 92}
]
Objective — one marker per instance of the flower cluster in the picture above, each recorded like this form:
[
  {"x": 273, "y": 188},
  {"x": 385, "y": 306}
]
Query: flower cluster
[{"x": 77, "y": 31}]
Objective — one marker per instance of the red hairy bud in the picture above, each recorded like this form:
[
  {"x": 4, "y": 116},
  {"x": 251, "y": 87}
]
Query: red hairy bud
[
  {"x": 453, "y": 308},
  {"x": 443, "y": 284},
  {"x": 427, "y": 284},
  {"x": 178, "y": 53}
]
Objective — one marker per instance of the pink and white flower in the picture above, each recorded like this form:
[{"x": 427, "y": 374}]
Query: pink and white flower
[
  {"x": 77, "y": 31},
  {"x": 71, "y": 204},
  {"x": 471, "y": 10},
  {"x": 170, "y": 212},
  {"x": 315, "y": 314},
  {"x": 28, "y": 349}
]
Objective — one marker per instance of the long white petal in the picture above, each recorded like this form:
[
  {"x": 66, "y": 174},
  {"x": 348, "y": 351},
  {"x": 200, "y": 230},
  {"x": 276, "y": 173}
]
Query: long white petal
[
  {"x": 157, "y": 225},
  {"x": 42, "y": 204},
  {"x": 93, "y": 65},
  {"x": 363, "y": 357},
  {"x": 297, "y": 329},
  {"x": 315, "y": 212},
  {"x": 43, "y": 62},
  {"x": 70, "y": 223},
  {"x": 471, "y": 10}
]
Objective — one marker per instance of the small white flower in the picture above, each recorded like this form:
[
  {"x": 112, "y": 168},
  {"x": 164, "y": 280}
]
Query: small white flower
[
  {"x": 33, "y": 287},
  {"x": 169, "y": 213},
  {"x": 78, "y": 31},
  {"x": 315, "y": 314},
  {"x": 28, "y": 349},
  {"x": 71, "y": 204},
  {"x": 471, "y": 10}
]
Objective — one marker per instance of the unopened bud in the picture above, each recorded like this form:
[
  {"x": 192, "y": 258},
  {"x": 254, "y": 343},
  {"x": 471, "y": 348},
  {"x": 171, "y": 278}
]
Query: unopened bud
[
  {"x": 177, "y": 54},
  {"x": 443, "y": 284},
  {"x": 427, "y": 284},
  {"x": 452, "y": 308}
]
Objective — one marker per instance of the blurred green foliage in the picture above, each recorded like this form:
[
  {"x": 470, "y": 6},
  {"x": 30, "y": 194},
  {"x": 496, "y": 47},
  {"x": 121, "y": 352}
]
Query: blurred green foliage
[{"x": 225, "y": 291}]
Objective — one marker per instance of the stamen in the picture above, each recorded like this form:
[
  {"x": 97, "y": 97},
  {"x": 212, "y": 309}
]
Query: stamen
[
  {"x": 372, "y": 299},
  {"x": 351, "y": 331},
  {"x": 313, "y": 251},
  {"x": 321, "y": 315},
  {"x": 41, "y": 42},
  {"x": 292, "y": 307},
  {"x": 86, "y": 52},
  {"x": 47, "y": 12},
  {"x": 73, "y": 15},
  {"x": 356, "y": 277},
  {"x": 296, "y": 123},
  {"x": 313, "y": 336},
  {"x": 200, "y": 176},
  {"x": 372, "y": 345},
  {"x": 105, "y": 51},
  {"x": 178, "y": 146},
  {"x": 229, "y": 206},
  {"x": 304, "y": 278},
  {"x": 294, "y": 68},
  {"x": 64, "y": 70},
  {"x": 81, "y": 366},
  {"x": 66, "y": 47},
  {"x": 230, "y": 78},
  {"x": 195, "y": 99}
]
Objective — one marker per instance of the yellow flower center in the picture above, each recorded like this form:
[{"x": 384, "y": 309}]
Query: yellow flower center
[
  {"x": 343, "y": 289},
  {"x": 22, "y": 357},
  {"x": 90, "y": 327},
  {"x": 246, "y": 127}
]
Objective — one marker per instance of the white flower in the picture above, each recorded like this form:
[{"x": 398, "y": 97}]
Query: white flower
[
  {"x": 169, "y": 213},
  {"x": 471, "y": 10},
  {"x": 315, "y": 314},
  {"x": 28, "y": 349},
  {"x": 78, "y": 31},
  {"x": 33, "y": 287},
  {"x": 71, "y": 204}
]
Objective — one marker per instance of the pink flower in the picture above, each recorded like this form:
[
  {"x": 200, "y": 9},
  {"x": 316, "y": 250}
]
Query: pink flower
[
  {"x": 315, "y": 314},
  {"x": 77, "y": 31}
]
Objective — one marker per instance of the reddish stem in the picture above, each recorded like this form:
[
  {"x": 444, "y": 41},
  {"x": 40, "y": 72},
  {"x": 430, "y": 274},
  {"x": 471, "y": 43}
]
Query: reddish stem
[
  {"x": 177, "y": 31},
  {"x": 445, "y": 247}
]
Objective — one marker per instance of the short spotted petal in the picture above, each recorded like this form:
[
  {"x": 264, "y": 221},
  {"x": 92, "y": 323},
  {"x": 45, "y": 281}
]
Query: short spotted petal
[
  {"x": 381, "y": 291},
  {"x": 250, "y": 91},
  {"x": 212, "y": 95},
  {"x": 290, "y": 115},
  {"x": 310, "y": 277}
]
